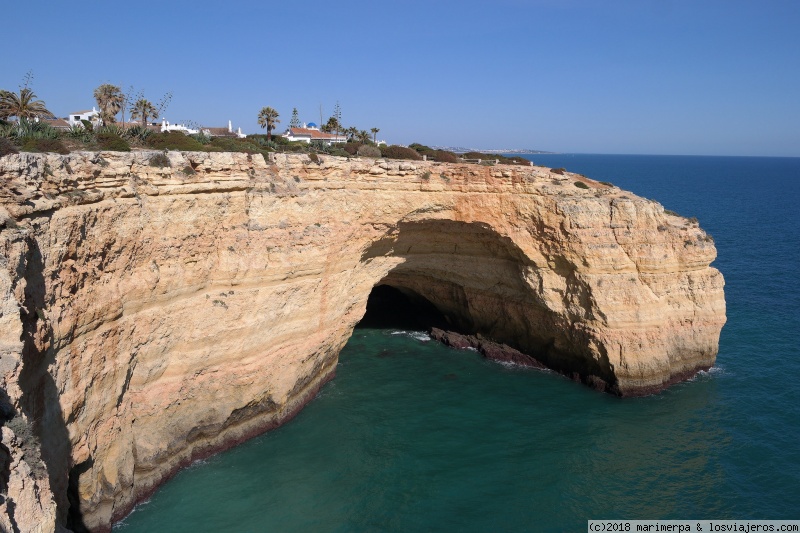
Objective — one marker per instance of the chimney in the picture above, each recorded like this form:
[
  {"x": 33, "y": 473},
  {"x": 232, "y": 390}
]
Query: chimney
[{"x": 230, "y": 127}]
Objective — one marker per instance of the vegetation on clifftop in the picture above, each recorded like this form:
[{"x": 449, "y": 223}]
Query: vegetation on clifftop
[{"x": 22, "y": 130}]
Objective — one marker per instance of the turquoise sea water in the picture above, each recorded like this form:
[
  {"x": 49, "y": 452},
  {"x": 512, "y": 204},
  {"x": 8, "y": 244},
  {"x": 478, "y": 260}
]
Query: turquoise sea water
[{"x": 413, "y": 436}]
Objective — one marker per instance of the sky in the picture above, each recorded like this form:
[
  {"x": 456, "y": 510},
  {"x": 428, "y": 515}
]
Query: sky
[{"x": 697, "y": 77}]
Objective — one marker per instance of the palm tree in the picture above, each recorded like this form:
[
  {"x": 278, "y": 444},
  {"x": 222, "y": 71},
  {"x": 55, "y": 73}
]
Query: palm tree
[
  {"x": 142, "y": 109},
  {"x": 109, "y": 100},
  {"x": 331, "y": 126},
  {"x": 22, "y": 105},
  {"x": 375, "y": 134},
  {"x": 267, "y": 118}
]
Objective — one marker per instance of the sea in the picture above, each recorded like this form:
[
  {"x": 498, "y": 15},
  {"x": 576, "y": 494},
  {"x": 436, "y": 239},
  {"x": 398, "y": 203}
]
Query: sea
[{"x": 412, "y": 436}]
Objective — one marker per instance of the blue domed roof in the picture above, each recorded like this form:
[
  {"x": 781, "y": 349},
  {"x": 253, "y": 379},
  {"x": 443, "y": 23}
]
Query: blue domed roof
[{"x": 312, "y": 125}]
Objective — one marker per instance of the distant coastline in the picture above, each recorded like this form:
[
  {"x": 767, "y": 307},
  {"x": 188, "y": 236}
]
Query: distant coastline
[{"x": 462, "y": 150}]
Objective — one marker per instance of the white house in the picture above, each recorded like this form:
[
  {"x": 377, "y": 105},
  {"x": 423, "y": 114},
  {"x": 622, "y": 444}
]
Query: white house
[
  {"x": 166, "y": 126},
  {"x": 310, "y": 133},
  {"x": 75, "y": 117}
]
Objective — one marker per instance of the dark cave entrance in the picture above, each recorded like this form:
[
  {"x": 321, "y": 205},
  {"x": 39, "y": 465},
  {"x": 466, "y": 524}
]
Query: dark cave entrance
[{"x": 392, "y": 307}]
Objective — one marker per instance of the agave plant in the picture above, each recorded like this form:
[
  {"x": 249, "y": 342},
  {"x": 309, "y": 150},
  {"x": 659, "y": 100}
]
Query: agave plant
[
  {"x": 29, "y": 129},
  {"x": 139, "y": 133},
  {"x": 79, "y": 134},
  {"x": 201, "y": 137},
  {"x": 110, "y": 128}
]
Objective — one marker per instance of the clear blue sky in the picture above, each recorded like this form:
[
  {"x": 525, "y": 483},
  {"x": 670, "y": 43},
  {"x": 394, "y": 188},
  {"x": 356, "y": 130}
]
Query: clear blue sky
[{"x": 636, "y": 76}]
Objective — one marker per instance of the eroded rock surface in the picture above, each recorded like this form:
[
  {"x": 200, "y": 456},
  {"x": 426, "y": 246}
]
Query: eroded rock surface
[{"x": 153, "y": 315}]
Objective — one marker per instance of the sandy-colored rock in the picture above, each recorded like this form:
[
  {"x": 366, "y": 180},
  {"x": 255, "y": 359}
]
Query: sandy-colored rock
[{"x": 150, "y": 316}]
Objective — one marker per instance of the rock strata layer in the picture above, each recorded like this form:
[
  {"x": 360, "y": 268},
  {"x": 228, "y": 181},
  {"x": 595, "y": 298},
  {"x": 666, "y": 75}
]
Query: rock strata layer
[{"x": 151, "y": 315}]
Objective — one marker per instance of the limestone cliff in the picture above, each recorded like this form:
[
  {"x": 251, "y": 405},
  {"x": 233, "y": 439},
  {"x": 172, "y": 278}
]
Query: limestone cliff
[{"x": 151, "y": 315}]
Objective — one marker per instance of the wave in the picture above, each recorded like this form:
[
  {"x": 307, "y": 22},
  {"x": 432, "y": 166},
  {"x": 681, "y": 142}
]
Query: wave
[
  {"x": 417, "y": 335},
  {"x": 122, "y": 524}
]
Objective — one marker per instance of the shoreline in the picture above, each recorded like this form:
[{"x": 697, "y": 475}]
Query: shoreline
[{"x": 294, "y": 409}]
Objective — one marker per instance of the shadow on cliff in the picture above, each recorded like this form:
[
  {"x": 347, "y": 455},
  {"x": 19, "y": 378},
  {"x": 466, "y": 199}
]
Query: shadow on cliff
[
  {"x": 40, "y": 396},
  {"x": 437, "y": 256},
  {"x": 478, "y": 283}
]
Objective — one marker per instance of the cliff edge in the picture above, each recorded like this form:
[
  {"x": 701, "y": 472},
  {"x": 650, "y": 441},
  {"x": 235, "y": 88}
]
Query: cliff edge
[{"x": 151, "y": 314}]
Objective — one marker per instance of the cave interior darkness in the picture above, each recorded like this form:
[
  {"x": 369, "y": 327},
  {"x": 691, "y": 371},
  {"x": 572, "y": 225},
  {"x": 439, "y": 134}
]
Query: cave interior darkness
[{"x": 392, "y": 307}]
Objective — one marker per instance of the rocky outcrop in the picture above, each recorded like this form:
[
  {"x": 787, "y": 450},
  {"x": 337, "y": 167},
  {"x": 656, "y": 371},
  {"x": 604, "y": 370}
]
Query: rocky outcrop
[
  {"x": 502, "y": 353},
  {"x": 151, "y": 315}
]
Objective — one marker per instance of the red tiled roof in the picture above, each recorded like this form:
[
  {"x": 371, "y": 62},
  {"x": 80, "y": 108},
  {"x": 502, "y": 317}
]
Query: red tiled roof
[{"x": 58, "y": 123}]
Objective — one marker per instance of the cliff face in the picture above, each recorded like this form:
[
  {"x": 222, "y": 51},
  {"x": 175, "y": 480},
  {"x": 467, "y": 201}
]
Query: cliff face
[{"x": 152, "y": 315}]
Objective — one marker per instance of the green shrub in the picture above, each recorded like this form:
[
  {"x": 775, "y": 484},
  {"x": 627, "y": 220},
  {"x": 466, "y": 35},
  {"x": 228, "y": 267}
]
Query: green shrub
[
  {"x": 435, "y": 155},
  {"x": 400, "y": 152},
  {"x": 426, "y": 176},
  {"x": 559, "y": 171},
  {"x": 174, "y": 140},
  {"x": 581, "y": 185},
  {"x": 138, "y": 133},
  {"x": 7, "y": 130},
  {"x": 79, "y": 134},
  {"x": 671, "y": 212},
  {"x": 201, "y": 137},
  {"x": 232, "y": 144},
  {"x": 7, "y": 147},
  {"x": 367, "y": 150},
  {"x": 314, "y": 158},
  {"x": 112, "y": 142},
  {"x": 113, "y": 129},
  {"x": 160, "y": 160},
  {"x": 444, "y": 156},
  {"x": 28, "y": 129},
  {"x": 339, "y": 152},
  {"x": 44, "y": 145},
  {"x": 294, "y": 147},
  {"x": 277, "y": 139},
  {"x": 606, "y": 183},
  {"x": 351, "y": 147},
  {"x": 421, "y": 148}
]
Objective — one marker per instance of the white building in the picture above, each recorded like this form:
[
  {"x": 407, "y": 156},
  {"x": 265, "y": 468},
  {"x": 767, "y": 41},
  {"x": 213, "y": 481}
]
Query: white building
[
  {"x": 310, "y": 133},
  {"x": 76, "y": 117},
  {"x": 166, "y": 126}
]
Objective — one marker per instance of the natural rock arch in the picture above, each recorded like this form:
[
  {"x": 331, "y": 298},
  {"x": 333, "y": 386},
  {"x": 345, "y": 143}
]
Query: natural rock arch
[
  {"x": 481, "y": 282},
  {"x": 151, "y": 316}
]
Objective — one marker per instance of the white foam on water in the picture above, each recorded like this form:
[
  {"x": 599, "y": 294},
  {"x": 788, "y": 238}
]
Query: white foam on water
[
  {"x": 518, "y": 366},
  {"x": 122, "y": 524},
  {"x": 711, "y": 372},
  {"x": 417, "y": 335}
]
